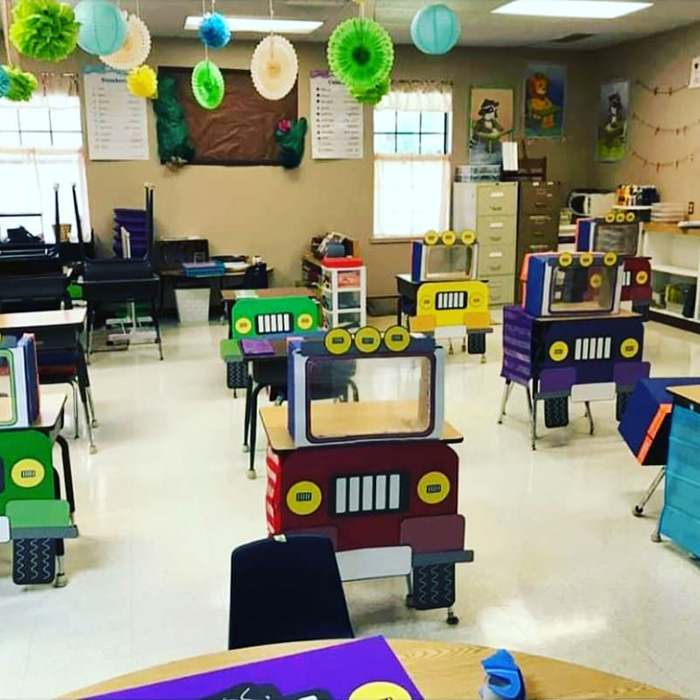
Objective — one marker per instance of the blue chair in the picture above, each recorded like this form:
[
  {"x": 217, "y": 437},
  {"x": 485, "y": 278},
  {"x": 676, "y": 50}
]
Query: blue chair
[{"x": 286, "y": 590}]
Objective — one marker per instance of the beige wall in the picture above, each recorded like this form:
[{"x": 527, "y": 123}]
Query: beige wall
[
  {"x": 272, "y": 212},
  {"x": 661, "y": 60}
]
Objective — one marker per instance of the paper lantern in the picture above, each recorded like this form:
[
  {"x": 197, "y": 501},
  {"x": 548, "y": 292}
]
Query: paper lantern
[
  {"x": 274, "y": 67},
  {"x": 4, "y": 82},
  {"x": 44, "y": 29},
  {"x": 143, "y": 82},
  {"x": 22, "y": 84},
  {"x": 208, "y": 84},
  {"x": 136, "y": 48},
  {"x": 103, "y": 27},
  {"x": 374, "y": 95},
  {"x": 360, "y": 53},
  {"x": 435, "y": 29},
  {"x": 214, "y": 31}
]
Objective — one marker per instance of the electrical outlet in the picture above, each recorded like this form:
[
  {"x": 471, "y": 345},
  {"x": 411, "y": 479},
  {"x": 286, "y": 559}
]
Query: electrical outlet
[{"x": 691, "y": 208}]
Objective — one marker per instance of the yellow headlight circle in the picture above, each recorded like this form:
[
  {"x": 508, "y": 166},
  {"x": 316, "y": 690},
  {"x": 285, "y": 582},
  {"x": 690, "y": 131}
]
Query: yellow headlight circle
[
  {"x": 476, "y": 299},
  {"x": 620, "y": 217},
  {"x": 304, "y": 498},
  {"x": 642, "y": 277},
  {"x": 449, "y": 238},
  {"x": 586, "y": 260},
  {"x": 629, "y": 348},
  {"x": 558, "y": 351},
  {"x": 565, "y": 259},
  {"x": 338, "y": 341},
  {"x": 243, "y": 326},
  {"x": 426, "y": 303},
  {"x": 631, "y": 218},
  {"x": 468, "y": 237},
  {"x": 610, "y": 259},
  {"x": 596, "y": 281},
  {"x": 368, "y": 339},
  {"x": 610, "y": 217},
  {"x": 431, "y": 238},
  {"x": 397, "y": 338},
  {"x": 305, "y": 322},
  {"x": 380, "y": 689},
  {"x": 27, "y": 473},
  {"x": 433, "y": 488}
]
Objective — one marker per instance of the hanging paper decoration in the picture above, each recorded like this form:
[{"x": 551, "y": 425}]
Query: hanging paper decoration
[
  {"x": 360, "y": 53},
  {"x": 290, "y": 135},
  {"x": 136, "y": 48},
  {"x": 208, "y": 84},
  {"x": 4, "y": 82},
  {"x": 44, "y": 29},
  {"x": 143, "y": 82},
  {"x": 374, "y": 95},
  {"x": 214, "y": 31},
  {"x": 103, "y": 27},
  {"x": 435, "y": 29},
  {"x": 274, "y": 67},
  {"x": 22, "y": 84}
]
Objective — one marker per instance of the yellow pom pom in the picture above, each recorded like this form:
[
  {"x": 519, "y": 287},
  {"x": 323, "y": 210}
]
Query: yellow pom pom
[{"x": 143, "y": 82}]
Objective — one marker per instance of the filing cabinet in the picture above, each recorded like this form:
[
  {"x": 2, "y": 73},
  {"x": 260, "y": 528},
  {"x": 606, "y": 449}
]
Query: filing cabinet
[{"x": 490, "y": 209}]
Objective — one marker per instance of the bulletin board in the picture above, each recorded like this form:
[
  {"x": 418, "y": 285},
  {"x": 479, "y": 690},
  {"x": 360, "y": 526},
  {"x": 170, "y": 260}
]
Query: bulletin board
[{"x": 241, "y": 131}]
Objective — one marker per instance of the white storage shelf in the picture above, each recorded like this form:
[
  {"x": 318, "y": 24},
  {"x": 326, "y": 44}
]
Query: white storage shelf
[
  {"x": 344, "y": 305},
  {"x": 675, "y": 259}
]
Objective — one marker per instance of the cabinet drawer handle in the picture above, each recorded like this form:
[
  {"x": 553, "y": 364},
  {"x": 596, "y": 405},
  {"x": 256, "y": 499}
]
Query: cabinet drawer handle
[
  {"x": 496, "y": 208},
  {"x": 496, "y": 238},
  {"x": 496, "y": 225},
  {"x": 495, "y": 195}
]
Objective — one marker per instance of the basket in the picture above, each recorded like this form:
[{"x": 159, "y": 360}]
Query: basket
[{"x": 193, "y": 305}]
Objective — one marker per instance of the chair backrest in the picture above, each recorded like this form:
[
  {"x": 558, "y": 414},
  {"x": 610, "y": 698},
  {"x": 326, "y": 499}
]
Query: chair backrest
[
  {"x": 33, "y": 292},
  {"x": 255, "y": 277},
  {"x": 286, "y": 591}
]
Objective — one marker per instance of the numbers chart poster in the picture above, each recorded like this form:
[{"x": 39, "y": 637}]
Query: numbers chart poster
[
  {"x": 117, "y": 125},
  {"x": 363, "y": 670}
]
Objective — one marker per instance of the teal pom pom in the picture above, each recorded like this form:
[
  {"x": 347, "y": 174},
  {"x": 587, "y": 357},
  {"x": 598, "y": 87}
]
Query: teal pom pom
[
  {"x": 44, "y": 29},
  {"x": 435, "y": 29},
  {"x": 4, "y": 82},
  {"x": 22, "y": 84},
  {"x": 214, "y": 31},
  {"x": 103, "y": 27}
]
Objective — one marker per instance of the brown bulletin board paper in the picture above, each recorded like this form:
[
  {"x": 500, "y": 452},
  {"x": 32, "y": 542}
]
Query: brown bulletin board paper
[{"x": 241, "y": 131}]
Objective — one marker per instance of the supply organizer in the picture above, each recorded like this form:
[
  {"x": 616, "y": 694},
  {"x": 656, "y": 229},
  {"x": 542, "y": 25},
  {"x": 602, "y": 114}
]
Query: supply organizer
[
  {"x": 343, "y": 292},
  {"x": 570, "y": 340}
]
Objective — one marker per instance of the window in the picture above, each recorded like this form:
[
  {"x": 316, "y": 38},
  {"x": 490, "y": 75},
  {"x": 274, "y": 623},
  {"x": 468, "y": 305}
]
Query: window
[
  {"x": 41, "y": 144},
  {"x": 412, "y": 173}
]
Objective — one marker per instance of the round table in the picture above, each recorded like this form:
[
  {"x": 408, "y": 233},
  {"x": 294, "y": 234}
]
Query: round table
[{"x": 439, "y": 670}]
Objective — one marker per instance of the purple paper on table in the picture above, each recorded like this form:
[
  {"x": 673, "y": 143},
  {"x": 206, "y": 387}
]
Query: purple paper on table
[
  {"x": 257, "y": 347},
  {"x": 363, "y": 668}
]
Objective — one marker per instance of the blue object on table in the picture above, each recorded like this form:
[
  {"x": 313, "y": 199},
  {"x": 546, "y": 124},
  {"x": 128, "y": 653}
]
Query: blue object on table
[
  {"x": 503, "y": 678},
  {"x": 680, "y": 518},
  {"x": 212, "y": 268}
]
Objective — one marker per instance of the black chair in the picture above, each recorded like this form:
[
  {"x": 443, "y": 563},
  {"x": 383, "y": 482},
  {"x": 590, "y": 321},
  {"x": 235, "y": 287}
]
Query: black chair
[
  {"x": 286, "y": 590},
  {"x": 256, "y": 277}
]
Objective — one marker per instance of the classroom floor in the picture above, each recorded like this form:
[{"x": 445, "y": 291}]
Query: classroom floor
[{"x": 562, "y": 568}]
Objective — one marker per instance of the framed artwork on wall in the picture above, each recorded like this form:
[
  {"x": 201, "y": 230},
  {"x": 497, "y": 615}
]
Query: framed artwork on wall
[
  {"x": 491, "y": 121},
  {"x": 613, "y": 110},
  {"x": 545, "y": 97}
]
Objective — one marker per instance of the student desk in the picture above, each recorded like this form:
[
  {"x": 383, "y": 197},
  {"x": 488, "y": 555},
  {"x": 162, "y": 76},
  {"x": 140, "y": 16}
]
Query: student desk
[
  {"x": 58, "y": 331},
  {"x": 48, "y": 556},
  {"x": 439, "y": 670}
]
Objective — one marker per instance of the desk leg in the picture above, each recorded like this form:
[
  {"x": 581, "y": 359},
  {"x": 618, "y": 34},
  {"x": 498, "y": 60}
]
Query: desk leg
[
  {"x": 589, "y": 415},
  {"x": 67, "y": 471},
  {"x": 532, "y": 410},
  {"x": 76, "y": 413},
  {"x": 246, "y": 424},
  {"x": 253, "y": 428},
  {"x": 504, "y": 401},
  {"x": 399, "y": 311},
  {"x": 638, "y": 510},
  {"x": 60, "y": 579},
  {"x": 156, "y": 323},
  {"x": 84, "y": 387}
]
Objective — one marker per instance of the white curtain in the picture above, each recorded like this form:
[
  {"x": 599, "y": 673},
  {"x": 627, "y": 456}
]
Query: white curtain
[{"x": 418, "y": 96}]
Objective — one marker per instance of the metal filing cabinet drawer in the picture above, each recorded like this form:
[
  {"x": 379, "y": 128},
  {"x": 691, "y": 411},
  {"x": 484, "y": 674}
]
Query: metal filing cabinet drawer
[
  {"x": 497, "y": 198},
  {"x": 494, "y": 230},
  {"x": 539, "y": 228},
  {"x": 539, "y": 197},
  {"x": 496, "y": 260},
  {"x": 501, "y": 290}
]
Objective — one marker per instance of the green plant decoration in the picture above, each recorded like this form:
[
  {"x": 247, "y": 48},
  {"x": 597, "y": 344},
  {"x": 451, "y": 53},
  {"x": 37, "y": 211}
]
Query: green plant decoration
[
  {"x": 208, "y": 84},
  {"x": 22, "y": 84},
  {"x": 290, "y": 135},
  {"x": 175, "y": 147},
  {"x": 374, "y": 95},
  {"x": 360, "y": 53},
  {"x": 44, "y": 29}
]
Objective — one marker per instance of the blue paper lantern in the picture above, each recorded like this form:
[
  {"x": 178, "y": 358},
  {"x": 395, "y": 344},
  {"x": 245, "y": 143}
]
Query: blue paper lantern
[
  {"x": 4, "y": 82},
  {"x": 435, "y": 29},
  {"x": 103, "y": 27},
  {"x": 214, "y": 31}
]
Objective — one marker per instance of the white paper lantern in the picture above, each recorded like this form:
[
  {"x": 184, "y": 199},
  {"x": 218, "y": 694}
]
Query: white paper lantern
[
  {"x": 135, "y": 50},
  {"x": 274, "y": 67}
]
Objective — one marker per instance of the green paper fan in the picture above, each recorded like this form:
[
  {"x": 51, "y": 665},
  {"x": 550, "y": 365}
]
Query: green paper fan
[
  {"x": 44, "y": 29},
  {"x": 374, "y": 95},
  {"x": 208, "y": 84},
  {"x": 22, "y": 84},
  {"x": 360, "y": 53}
]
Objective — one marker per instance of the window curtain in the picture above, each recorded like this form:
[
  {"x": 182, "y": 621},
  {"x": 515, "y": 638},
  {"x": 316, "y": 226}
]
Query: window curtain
[{"x": 412, "y": 192}]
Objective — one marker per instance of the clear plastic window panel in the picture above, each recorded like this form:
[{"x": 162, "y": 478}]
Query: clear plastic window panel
[
  {"x": 395, "y": 394},
  {"x": 7, "y": 408},
  {"x": 449, "y": 262},
  {"x": 583, "y": 289},
  {"x": 620, "y": 239}
]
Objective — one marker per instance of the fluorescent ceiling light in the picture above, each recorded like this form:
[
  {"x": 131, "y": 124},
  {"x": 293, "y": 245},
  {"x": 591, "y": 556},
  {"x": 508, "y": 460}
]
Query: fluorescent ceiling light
[
  {"x": 261, "y": 25},
  {"x": 581, "y": 9}
]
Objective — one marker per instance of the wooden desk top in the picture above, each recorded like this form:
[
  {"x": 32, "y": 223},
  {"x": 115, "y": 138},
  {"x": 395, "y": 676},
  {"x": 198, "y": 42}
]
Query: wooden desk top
[
  {"x": 271, "y": 293},
  {"x": 50, "y": 408},
  {"x": 26, "y": 320},
  {"x": 690, "y": 393},
  {"x": 440, "y": 670},
  {"x": 337, "y": 416},
  {"x": 622, "y": 313}
]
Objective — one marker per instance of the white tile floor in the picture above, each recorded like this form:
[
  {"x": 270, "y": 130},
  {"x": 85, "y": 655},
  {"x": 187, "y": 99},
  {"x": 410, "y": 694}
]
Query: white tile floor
[{"x": 562, "y": 568}]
